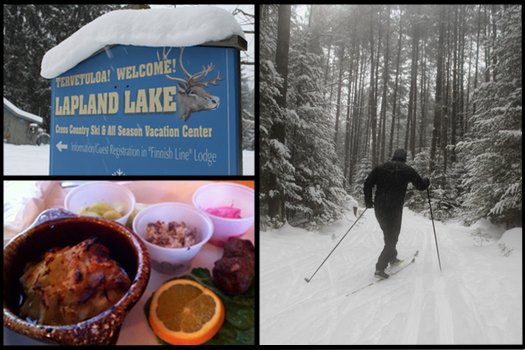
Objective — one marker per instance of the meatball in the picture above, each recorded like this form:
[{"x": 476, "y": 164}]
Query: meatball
[
  {"x": 233, "y": 275},
  {"x": 234, "y": 272},
  {"x": 239, "y": 247}
]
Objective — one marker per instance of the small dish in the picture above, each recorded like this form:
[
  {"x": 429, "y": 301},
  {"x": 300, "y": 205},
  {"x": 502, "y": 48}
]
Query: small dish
[
  {"x": 101, "y": 191},
  {"x": 173, "y": 260},
  {"x": 59, "y": 228},
  {"x": 225, "y": 194}
]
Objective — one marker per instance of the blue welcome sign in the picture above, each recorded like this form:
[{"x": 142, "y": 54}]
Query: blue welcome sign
[{"x": 132, "y": 110}]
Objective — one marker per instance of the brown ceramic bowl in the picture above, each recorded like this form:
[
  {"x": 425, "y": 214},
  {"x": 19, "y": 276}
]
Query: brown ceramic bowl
[{"x": 59, "y": 228}]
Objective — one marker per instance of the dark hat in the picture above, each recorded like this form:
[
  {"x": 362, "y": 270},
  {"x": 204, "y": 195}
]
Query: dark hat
[{"x": 400, "y": 155}]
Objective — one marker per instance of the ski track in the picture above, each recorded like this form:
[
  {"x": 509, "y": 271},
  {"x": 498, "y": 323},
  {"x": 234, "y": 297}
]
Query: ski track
[{"x": 420, "y": 305}]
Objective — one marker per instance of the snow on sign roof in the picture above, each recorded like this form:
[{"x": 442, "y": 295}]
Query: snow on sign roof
[
  {"x": 23, "y": 114},
  {"x": 180, "y": 27}
]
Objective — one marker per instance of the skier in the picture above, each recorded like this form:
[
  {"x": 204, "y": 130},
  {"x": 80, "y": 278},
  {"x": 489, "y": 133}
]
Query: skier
[{"x": 391, "y": 179}]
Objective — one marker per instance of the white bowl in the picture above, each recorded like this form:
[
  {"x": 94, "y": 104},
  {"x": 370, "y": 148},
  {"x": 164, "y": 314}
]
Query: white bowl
[
  {"x": 173, "y": 260},
  {"x": 101, "y": 191},
  {"x": 225, "y": 194}
]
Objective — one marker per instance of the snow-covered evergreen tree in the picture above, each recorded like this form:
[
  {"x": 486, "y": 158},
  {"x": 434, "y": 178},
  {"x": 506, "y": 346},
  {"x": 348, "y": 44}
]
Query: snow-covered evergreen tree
[
  {"x": 29, "y": 32},
  {"x": 312, "y": 150},
  {"x": 274, "y": 155},
  {"x": 494, "y": 146},
  {"x": 248, "y": 130},
  {"x": 414, "y": 199},
  {"x": 361, "y": 173},
  {"x": 305, "y": 164},
  {"x": 248, "y": 116},
  {"x": 444, "y": 188}
]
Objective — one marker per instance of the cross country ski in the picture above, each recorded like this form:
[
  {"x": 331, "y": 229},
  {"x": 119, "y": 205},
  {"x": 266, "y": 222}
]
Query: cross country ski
[{"x": 393, "y": 270}]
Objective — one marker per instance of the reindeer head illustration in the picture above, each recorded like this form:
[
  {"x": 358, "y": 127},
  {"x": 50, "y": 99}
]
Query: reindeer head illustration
[{"x": 192, "y": 95}]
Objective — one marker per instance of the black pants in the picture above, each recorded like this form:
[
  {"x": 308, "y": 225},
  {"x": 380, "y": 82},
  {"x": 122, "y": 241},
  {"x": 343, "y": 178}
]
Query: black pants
[{"x": 389, "y": 219}]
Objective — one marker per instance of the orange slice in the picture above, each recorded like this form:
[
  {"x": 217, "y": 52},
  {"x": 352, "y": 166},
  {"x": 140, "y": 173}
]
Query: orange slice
[{"x": 184, "y": 312}]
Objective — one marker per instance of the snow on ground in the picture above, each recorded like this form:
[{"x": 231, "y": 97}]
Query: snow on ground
[
  {"x": 248, "y": 162},
  {"x": 178, "y": 27},
  {"x": 34, "y": 160},
  {"x": 477, "y": 299},
  {"x": 26, "y": 159}
]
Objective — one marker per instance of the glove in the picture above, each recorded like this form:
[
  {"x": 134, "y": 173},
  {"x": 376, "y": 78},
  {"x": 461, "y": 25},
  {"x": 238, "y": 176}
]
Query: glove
[
  {"x": 369, "y": 204},
  {"x": 427, "y": 182}
]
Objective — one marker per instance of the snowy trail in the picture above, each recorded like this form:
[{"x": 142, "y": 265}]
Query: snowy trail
[{"x": 473, "y": 301}]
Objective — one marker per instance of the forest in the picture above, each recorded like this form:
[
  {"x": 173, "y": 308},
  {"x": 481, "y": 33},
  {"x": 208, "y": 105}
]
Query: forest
[{"x": 343, "y": 86}]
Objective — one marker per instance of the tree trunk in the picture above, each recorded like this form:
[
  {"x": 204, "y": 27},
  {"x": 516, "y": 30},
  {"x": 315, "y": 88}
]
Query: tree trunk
[
  {"x": 385, "y": 90},
  {"x": 494, "y": 58},
  {"x": 487, "y": 47},
  {"x": 446, "y": 105},
  {"x": 276, "y": 205},
  {"x": 398, "y": 66},
  {"x": 467, "y": 103},
  {"x": 356, "y": 125},
  {"x": 358, "y": 144},
  {"x": 410, "y": 136},
  {"x": 455, "y": 89},
  {"x": 315, "y": 35},
  {"x": 462, "y": 36},
  {"x": 327, "y": 66},
  {"x": 423, "y": 97},
  {"x": 371, "y": 123},
  {"x": 438, "y": 106},
  {"x": 375, "y": 135},
  {"x": 477, "y": 58},
  {"x": 349, "y": 123},
  {"x": 339, "y": 86}
]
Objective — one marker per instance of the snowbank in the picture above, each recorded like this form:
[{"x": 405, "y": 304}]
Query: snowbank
[
  {"x": 511, "y": 240},
  {"x": 483, "y": 227},
  {"x": 26, "y": 159},
  {"x": 248, "y": 162},
  {"x": 180, "y": 27}
]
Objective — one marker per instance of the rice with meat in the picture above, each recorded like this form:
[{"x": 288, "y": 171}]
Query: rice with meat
[{"x": 171, "y": 235}]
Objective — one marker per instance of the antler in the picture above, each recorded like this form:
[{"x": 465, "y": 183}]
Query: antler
[
  {"x": 188, "y": 75},
  {"x": 165, "y": 58},
  {"x": 204, "y": 72},
  {"x": 210, "y": 82},
  {"x": 192, "y": 79},
  {"x": 198, "y": 78}
]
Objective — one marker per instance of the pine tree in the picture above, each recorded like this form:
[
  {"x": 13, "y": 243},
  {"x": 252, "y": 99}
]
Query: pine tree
[
  {"x": 248, "y": 116},
  {"x": 493, "y": 149},
  {"x": 312, "y": 147},
  {"x": 362, "y": 171},
  {"x": 248, "y": 130},
  {"x": 414, "y": 199},
  {"x": 29, "y": 32},
  {"x": 274, "y": 156},
  {"x": 445, "y": 190}
]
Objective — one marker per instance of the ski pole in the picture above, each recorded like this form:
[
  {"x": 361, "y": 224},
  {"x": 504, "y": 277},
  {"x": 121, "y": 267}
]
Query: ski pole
[
  {"x": 309, "y": 279},
  {"x": 435, "y": 237}
]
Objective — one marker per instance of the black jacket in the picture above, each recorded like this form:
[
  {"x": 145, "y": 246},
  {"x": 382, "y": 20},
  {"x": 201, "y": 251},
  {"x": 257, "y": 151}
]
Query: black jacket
[{"x": 391, "y": 179}]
